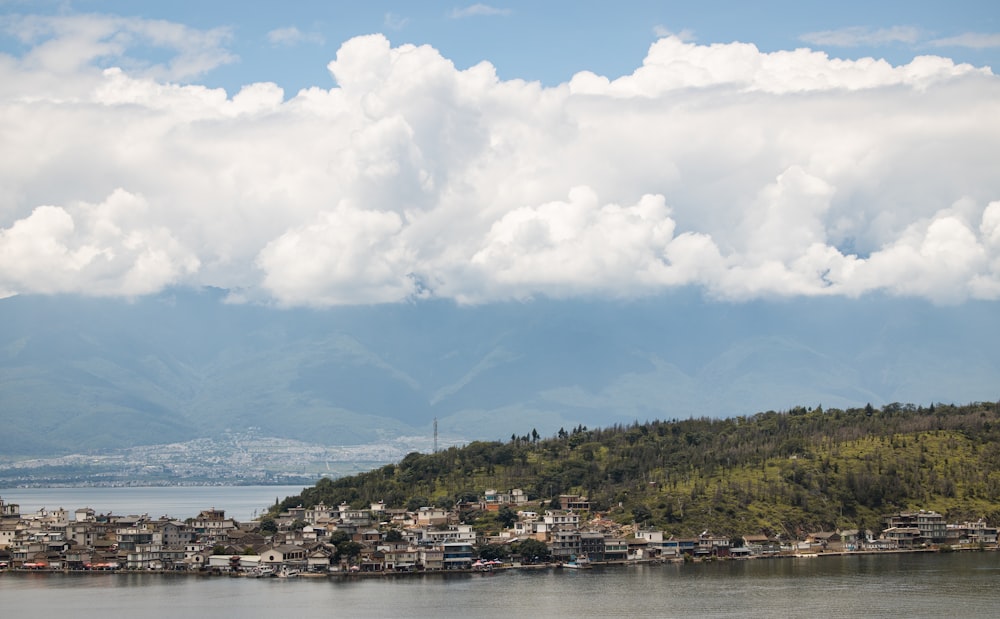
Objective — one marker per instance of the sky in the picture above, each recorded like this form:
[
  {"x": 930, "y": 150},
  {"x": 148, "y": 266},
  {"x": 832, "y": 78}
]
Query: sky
[{"x": 340, "y": 153}]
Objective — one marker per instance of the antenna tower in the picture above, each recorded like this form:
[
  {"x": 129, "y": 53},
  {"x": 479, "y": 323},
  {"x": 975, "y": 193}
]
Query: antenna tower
[{"x": 435, "y": 435}]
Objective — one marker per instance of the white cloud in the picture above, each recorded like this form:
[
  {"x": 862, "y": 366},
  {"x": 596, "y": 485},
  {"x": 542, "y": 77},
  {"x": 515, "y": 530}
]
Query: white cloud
[
  {"x": 684, "y": 35},
  {"x": 741, "y": 172},
  {"x": 290, "y": 36},
  {"x": 858, "y": 36},
  {"x": 63, "y": 44},
  {"x": 563, "y": 248},
  {"x": 974, "y": 40},
  {"x": 477, "y": 9},
  {"x": 673, "y": 64},
  {"x": 348, "y": 255},
  {"x": 393, "y": 21},
  {"x": 99, "y": 249}
]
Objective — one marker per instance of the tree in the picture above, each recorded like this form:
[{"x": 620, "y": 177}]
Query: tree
[
  {"x": 268, "y": 525},
  {"x": 506, "y": 516},
  {"x": 416, "y": 503},
  {"x": 348, "y": 550},
  {"x": 394, "y": 535},
  {"x": 533, "y": 551},
  {"x": 641, "y": 514},
  {"x": 493, "y": 552}
]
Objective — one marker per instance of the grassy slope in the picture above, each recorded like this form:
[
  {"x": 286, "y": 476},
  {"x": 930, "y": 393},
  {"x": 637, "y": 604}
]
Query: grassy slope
[{"x": 802, "y": 470}]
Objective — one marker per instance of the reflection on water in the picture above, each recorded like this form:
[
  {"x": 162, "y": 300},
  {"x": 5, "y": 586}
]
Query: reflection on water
[{"x": 959, "y": 584}]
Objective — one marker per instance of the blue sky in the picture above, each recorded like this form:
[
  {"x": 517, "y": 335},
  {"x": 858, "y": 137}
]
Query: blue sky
[
  {"x": 550, "y": 41},
  {"x": 337, "y": 153}
]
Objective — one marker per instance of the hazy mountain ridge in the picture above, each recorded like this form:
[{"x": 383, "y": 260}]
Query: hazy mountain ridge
[{"x": 85, "y": 374}]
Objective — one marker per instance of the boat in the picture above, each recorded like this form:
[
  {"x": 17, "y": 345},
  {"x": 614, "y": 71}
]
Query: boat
[{"x": 578, "y": 563}]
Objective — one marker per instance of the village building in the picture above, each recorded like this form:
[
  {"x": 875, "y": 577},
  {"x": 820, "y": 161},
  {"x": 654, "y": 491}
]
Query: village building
[
  {"x": 9, "y": 510},
  {"x": 493, "y": 500},
  {"x": 87, "y": 540}
]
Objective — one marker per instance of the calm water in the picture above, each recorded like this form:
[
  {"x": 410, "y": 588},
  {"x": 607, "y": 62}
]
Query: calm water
[
  {"x": 910, "y": 586},
  {"x": 240, "y": 502}
]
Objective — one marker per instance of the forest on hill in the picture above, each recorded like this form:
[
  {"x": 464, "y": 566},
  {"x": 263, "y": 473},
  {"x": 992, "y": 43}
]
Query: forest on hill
[{"x": 806, "y": 469}]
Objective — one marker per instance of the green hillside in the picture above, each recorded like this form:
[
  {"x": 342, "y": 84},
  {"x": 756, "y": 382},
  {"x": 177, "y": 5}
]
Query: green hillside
[{"x": 774, "y": 472}]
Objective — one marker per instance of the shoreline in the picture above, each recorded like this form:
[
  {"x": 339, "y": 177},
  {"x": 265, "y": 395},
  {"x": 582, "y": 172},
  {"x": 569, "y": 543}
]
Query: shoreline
[{"x": 347, "y": 575}]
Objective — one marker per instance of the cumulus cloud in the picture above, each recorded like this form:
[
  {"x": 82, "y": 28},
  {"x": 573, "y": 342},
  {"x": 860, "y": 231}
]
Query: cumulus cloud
[
  {"x": 110, "y": 248},
  {"x": 348, "y": 255},
  {"x": 744, "y": 173},
  {"x": 577, "y": 246}
]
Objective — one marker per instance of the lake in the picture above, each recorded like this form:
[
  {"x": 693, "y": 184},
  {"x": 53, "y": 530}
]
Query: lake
[
  {"x": 243, "y": 503},
  {"x": 902, "y": 585}
]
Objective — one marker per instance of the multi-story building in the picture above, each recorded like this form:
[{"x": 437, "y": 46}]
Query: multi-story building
[
  {"x": 972, "y": 533},
  {"x": 493, "y": 500},
  {"x": 213, "y": 526},
  {"x": 932, "y": 526},
  {"x": 9, "y": 510},
  {"x": 462, "y": 533},
  {"x": 457, "y": 555},
  {"x": 592, "y": 545},
  {"x": 564, "y": 544}
]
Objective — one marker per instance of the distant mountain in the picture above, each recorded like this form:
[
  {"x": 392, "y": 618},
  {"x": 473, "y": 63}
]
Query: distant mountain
[{"x": 83, "y": 374}]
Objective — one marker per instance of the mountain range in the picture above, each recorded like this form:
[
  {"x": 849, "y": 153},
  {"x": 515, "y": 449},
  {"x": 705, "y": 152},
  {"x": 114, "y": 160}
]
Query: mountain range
[{"x": 81, "y": 374}]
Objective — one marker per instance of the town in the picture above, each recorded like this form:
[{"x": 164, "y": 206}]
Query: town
[
  {"x": 323, "y": 540},
  {"x": 234, "y": 457}
]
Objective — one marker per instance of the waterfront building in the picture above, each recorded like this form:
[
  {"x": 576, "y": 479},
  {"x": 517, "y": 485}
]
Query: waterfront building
[
  {"x": 931, "y": 525},
  {"x": 564, "y": 543},
  {"x": 902, "y": 537},
  {"x": 457, "y": 555},
  {"x": 973, "y": 533},
  {"x": 592, "y": 545}
]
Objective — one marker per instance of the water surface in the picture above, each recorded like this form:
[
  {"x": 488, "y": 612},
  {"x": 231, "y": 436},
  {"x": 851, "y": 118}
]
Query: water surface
[{"x": 911, "y": 586}]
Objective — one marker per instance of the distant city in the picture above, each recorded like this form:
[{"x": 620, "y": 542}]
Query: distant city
[{"x": 237, "y": 458}]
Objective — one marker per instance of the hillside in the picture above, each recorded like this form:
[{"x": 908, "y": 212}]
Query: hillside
[{"x": 804, "y": 469}]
